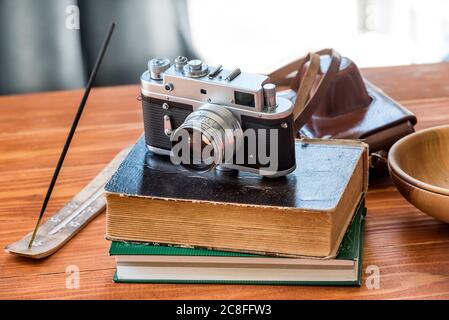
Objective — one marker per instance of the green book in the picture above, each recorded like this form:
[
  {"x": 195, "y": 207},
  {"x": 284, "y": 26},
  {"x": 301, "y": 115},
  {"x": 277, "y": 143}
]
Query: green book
[
  {"x": 140, "y": 262},
  {"x": 306, "y": 213}
]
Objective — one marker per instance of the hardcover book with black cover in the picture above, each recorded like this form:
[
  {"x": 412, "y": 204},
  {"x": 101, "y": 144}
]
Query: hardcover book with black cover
[{"x": 305, "y": 213}]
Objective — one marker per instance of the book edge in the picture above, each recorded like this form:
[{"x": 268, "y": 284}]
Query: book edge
[
  {"x": 332, "y": 142},
  {"x": 359, "y": 210}
]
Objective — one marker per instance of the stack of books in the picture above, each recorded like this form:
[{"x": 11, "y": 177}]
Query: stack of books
[{"x": 167, "y": 224}]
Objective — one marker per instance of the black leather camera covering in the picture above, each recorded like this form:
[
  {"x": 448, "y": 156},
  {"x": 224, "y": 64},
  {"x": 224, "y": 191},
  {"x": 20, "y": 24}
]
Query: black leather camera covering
[
  {"x": 153, "y": 118},
  {"x": 285, "y": 143}
]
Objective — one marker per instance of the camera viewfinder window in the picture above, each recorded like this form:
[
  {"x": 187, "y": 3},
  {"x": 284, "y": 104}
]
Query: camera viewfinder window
[{"x": 244, "y": 99}]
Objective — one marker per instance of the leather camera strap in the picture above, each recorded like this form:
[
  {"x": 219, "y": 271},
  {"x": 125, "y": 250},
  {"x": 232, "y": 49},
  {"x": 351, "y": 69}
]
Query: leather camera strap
[
  {"x": 304, "y": 109},
  {"x": 305, "y": 88}
]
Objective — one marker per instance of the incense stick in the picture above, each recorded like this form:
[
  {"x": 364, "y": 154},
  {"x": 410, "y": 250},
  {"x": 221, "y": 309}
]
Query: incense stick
[{"x": 72, "y": 129}]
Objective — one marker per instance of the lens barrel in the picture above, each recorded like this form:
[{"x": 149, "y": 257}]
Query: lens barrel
[{"x": 211, "y": 133}]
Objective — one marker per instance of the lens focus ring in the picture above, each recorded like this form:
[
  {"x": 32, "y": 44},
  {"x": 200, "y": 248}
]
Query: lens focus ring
[{"x": 218, "y": 128}]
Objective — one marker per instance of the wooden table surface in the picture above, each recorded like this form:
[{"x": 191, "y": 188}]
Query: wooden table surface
[{"x": 410, "y": 248}]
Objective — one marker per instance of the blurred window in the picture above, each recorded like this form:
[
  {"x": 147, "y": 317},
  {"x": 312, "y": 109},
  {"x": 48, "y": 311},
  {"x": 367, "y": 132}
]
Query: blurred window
[{"x": 259, "y": 34}]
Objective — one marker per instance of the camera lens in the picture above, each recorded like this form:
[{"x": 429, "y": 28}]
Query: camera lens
[{"x": 207, "y": 138}]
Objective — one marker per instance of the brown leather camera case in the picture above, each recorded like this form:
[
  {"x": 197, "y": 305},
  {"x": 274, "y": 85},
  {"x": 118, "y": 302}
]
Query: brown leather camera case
[{"x": 351, "y": 107}]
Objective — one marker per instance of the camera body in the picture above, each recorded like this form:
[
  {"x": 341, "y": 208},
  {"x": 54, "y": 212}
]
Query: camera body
[{"x": 229, "y": 109}]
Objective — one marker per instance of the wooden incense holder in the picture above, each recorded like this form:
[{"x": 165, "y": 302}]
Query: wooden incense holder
[{"x": 68, "y": 221}]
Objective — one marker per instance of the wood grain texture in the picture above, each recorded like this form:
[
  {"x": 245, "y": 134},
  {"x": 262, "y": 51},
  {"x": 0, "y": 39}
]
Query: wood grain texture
[
  {"x": 409, "y": 247},
  {"x": 432, "y": 203},
  {"x": 419, "y": 168},
  {"x": 422, "y": 159},
  {"x": 70, "y": 219}
]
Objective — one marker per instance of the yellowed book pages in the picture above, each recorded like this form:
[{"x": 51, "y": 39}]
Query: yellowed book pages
[{"x": 305, "y": 213}]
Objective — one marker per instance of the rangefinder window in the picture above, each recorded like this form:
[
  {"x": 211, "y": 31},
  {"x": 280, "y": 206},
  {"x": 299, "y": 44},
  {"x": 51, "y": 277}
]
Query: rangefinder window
[{"x": 244, "y": 99}]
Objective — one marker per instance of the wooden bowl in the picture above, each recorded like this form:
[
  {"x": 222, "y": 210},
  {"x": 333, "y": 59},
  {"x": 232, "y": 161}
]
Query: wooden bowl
[
  {"x": 434, "y": 204},
  {"x": 419, "y": 166}
]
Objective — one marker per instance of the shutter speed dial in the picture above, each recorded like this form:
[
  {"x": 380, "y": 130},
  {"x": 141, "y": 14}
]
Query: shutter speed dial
[{"x": 196, "y": 69}]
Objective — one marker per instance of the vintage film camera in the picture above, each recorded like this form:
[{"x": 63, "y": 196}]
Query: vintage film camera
[{"x": 236, "y": 115}]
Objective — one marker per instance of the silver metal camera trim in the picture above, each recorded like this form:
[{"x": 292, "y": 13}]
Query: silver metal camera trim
[
  {"x": 260, "y": 172},
  {"x": 163, "y": 152},
  {"x": 284, "y": 109},
  {"x": 201, "y": 70},
  {"x": 219, "y": 90},
  {"x": 223, "y": 119}
]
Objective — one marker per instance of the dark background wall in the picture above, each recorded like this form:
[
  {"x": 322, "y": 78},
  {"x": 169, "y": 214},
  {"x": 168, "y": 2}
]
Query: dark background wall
[{"x": 39, "y": 53}]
